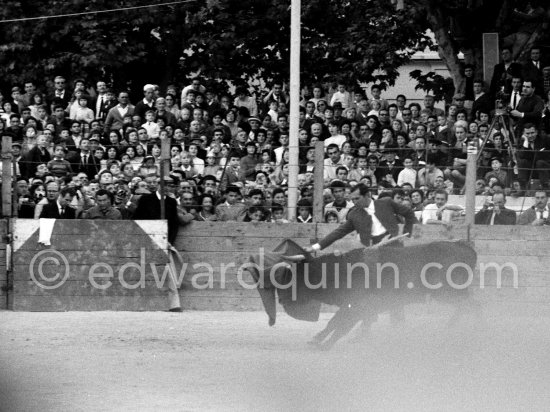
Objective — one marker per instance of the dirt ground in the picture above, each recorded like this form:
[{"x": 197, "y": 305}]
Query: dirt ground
[{"x": 232, "y": 361}]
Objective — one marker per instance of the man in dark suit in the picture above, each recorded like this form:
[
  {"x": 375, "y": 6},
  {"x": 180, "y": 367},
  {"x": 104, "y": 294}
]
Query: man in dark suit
[
  {"x": 60, "y": 209},
  {"x": 532, "y": 69},
  {"x": 373, "y": 220},
  {"x": 37, "y": 155},
  {"x": 104, "y": 101},
  {"x": 529, "y": 108},
  {"x": 494, "y": 213},
  {"x": 534, "y": 156},
  {"x": 503, "y": 73},
  {"x": 61, "y": 95},
  {"x": 84, "y": 160},
  {"x": 148, "y": 208}
]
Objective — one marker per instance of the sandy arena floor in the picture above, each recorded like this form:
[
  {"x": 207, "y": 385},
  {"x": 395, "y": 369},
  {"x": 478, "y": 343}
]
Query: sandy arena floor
[{"x": 232, "y": 361}]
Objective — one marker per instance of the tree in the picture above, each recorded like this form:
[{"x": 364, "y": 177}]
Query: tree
[
  {"x": 356, "y": 41},
  {"x": 127, "y": 47},
  {"x": 458, "y": 26}
]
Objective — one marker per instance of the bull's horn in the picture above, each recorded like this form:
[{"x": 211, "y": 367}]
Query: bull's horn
[{"x": 295, "y": 258}]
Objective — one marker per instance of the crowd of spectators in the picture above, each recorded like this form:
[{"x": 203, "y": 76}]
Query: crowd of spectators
[{"x": 229, "y": 154}]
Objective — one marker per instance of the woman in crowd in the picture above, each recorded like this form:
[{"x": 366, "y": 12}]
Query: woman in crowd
[
  {"x": 172, "y": 106},
  {"x": 111, "y": 153},
  {"x": 231, "y": 122},
  {"x": 37, "y": 101},
  {"x": 207, "y": 209},
  {"x": 131, "y": 153}
]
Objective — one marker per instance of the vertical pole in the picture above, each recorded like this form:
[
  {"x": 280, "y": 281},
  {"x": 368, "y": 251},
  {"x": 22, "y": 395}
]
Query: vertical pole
[
  {"x": 470, "y": 185},
  {"x": 318, "y": 182},
  {"x": 7, "y": 169},
  {"x": 164, "y": 171},
  {"x": 293, "y": 148}
]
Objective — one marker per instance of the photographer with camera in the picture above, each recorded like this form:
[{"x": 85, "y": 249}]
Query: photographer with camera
[
  {"x": 536, "y": 215},
  {"x": 494, "y": 212}
]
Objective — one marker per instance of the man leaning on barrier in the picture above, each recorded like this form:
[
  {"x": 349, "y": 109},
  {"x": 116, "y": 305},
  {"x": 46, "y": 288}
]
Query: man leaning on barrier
[
  {"x": 538, "y": 214},
  {"x": 494, "y": 212},
  {"x": 104, "y": 208}
]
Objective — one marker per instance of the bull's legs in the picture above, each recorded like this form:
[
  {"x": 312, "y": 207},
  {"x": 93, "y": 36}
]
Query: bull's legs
[
  {"x": 344, "y": 321},
  {"x": 321, "y": 336}
]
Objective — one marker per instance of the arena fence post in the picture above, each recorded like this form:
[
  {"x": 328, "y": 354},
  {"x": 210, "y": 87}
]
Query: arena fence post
[
  {"x": 7, "y": 166},
  {"x": 164, "y": 171},
  {"x": 470, "y": 185},
  {"x": 318, "y": 182}
]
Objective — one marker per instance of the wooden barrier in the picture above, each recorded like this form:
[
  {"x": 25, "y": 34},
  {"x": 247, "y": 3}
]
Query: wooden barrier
[
  {"x": 5, "y": 283},
  {"x": 214, "y": 252},
  {"x": 91, "y": 265},
  {"x": 225, "y": 246}
]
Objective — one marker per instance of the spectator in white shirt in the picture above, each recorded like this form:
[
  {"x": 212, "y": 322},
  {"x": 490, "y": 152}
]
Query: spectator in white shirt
[{"x": 153, "y": 129}]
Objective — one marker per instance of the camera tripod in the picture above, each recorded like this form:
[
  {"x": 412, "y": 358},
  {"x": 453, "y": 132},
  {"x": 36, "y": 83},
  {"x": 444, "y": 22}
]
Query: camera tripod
[{"x": 508, "y": 137}]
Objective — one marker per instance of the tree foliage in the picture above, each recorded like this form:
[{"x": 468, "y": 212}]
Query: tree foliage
[
  {"x": 357, "y": 41},
  {"x": 458, "y": 27}
]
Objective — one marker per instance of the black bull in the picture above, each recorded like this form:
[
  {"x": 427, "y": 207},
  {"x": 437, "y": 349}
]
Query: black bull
[{"x": 362, "y": 282}]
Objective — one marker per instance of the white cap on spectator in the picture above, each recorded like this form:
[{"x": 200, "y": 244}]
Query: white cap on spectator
[{"x": 148, "y": 86}]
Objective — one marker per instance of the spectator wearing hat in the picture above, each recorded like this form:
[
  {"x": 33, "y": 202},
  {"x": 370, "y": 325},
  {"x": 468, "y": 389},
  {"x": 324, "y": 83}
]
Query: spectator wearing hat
[
  {"x": 17, "y": 158},
  {"x": 497, "y": 172},
  {"x": 339, "y": 205},
  {"x": 148, "y": 101}
]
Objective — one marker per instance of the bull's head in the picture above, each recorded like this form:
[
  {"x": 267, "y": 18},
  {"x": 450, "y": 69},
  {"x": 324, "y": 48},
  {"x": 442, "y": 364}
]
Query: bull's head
[{"x": 272, "y": 272}]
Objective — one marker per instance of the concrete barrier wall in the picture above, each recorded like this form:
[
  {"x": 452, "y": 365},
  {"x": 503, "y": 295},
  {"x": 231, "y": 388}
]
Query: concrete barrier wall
[{"x": 214, "y": 252}]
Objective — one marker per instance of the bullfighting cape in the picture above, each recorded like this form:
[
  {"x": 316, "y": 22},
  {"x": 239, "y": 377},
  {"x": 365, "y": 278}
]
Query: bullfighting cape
[
  {"x": 271, "y": 272},
  {"x": 344, "y": 279}
]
